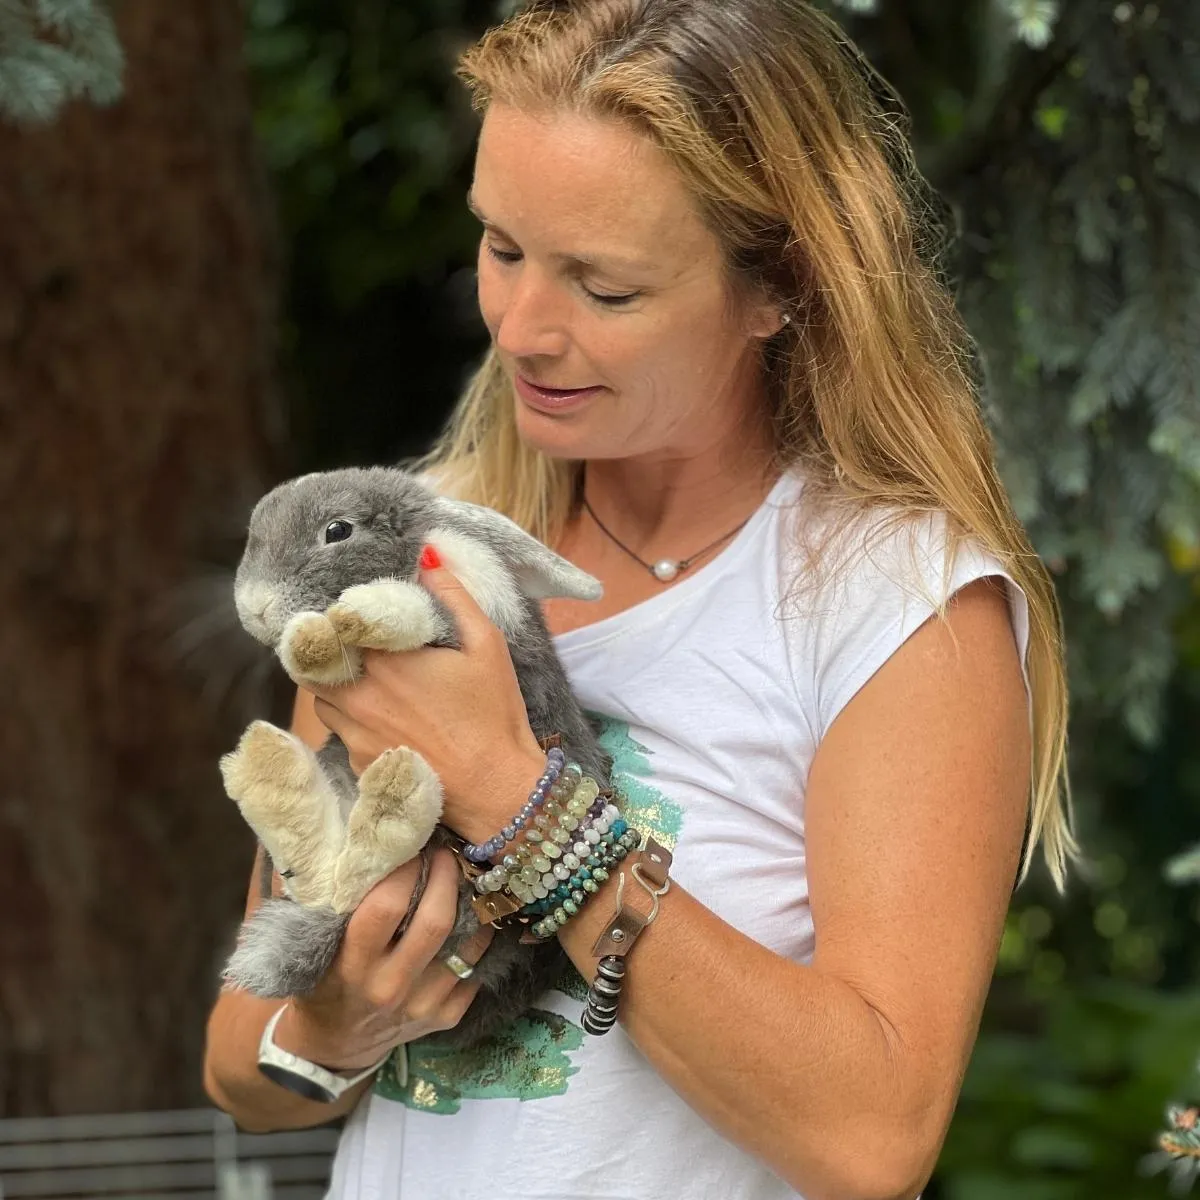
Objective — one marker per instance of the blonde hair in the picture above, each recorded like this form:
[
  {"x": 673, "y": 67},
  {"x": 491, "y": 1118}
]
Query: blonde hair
[{"x": 797, "y": 155}]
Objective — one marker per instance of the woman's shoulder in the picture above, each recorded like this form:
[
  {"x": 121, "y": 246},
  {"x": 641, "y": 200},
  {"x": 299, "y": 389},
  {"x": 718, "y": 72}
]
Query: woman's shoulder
[
  {"x": 871, "y": 579},
  {"x": 833, "y": 547}
]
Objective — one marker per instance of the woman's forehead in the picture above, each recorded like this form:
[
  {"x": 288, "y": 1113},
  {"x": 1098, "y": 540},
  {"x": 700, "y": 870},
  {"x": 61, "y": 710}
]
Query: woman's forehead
[{"x": 586, "y": 187}]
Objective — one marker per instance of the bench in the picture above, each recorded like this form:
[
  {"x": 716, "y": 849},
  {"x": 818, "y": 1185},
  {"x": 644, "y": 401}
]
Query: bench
[{"x": 160, "y": 1155}]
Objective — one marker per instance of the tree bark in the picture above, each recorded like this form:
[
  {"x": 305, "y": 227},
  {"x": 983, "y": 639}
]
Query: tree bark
[{"x": 138, "y": 421}]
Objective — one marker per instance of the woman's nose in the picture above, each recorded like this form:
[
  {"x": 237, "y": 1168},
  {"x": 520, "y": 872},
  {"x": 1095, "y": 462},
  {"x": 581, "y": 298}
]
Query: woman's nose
[{"x": 531, "y": 322}]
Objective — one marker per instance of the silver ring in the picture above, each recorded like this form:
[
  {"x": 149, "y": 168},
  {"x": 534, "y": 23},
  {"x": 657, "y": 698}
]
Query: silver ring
[{"x": 461, "y": 968}]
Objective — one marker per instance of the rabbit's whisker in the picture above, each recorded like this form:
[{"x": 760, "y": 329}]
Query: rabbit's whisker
[{"x": 345, "y": 658}]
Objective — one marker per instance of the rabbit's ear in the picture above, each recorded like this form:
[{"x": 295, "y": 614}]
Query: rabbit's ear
[{"x": 540, "y": 572}]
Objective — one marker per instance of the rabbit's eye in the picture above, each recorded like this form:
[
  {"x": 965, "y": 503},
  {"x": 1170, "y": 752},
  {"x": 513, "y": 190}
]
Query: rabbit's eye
[{"x": 338, "y": 531}]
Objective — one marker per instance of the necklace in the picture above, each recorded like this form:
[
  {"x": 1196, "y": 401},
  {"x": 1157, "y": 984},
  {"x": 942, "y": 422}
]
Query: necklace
[{"x": 665, "y": 569}]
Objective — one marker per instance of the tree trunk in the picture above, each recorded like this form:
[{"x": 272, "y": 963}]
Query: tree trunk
[{"x": 138, "y": 283}]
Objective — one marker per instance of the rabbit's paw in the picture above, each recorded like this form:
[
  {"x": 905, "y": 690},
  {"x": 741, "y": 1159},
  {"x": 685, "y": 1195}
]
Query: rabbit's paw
[
  {"x": 268, "y": 759},
  {"x": 389, "y": 614},
  {"x": 399, "y": 804},
  {"x": 288, "y": 801},
  {"x": 311, "y": 650}
]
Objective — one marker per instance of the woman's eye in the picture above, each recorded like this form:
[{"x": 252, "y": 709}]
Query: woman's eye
[
  {"x": 514, "y": 256},
  {"x": 338, "y": 531},
  {"x": 505, "y": 256},
  {"x": 613, "y": 300}
]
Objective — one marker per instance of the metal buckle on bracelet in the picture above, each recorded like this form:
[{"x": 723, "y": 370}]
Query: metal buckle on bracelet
[{"x": 650, "y": 869}]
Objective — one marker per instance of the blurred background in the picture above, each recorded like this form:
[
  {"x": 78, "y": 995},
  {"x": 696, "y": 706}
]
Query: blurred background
[{"x": 234, "y": 247}]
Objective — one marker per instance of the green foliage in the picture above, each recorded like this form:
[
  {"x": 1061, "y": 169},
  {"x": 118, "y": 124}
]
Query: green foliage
[
  {"x": 1060, "y": 1110},
  {"x": 1072, "y": 171},
  {"x": 54, "y": 51},
  {"x": 1081, "y": 281},
  {"x": 369, "y": 139}
]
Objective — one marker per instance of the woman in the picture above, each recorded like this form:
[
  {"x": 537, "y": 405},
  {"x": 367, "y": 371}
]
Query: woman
[{"x": 724, "y": 381}]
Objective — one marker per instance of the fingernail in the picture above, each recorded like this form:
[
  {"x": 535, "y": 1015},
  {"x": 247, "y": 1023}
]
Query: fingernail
[{"x": 429, "y": 559}]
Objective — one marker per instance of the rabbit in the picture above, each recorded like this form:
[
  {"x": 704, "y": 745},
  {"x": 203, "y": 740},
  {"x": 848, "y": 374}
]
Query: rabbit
[{"x": 328, "y": 569}]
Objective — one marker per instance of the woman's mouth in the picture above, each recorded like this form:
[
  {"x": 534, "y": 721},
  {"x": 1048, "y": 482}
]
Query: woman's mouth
[{"x": 553, "y": 400}]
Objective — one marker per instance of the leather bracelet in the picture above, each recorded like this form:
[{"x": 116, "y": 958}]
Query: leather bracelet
[
  {"x": 649, "y": 867},
  {"x": 415, "y": 899}
]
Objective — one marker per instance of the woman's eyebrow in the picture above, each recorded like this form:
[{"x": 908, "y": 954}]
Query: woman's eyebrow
[{"x": 621, "y": 261}]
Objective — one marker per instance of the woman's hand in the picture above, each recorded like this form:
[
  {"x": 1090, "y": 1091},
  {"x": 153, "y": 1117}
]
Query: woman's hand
[
  {"x": 461, "y": 710},
  {"x": 379, "y": 993}
]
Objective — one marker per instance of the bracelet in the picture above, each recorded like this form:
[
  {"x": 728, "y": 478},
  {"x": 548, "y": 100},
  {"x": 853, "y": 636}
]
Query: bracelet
[
  {"x": 649, "y": 868},
  {"x": 548, "y": 865},
  {"x": 481, "y": 852},
  {"x": 547, "y": 855},
  {"x": 414, "y": 900},
  {"x": 572, "y": 894}
]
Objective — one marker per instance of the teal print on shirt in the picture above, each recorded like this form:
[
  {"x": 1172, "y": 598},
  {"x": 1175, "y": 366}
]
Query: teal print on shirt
[{"x": 530, "y": 1058}]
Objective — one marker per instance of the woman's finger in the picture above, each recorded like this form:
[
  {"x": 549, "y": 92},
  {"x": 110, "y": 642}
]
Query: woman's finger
[
  {"x": 373, "y": 925},
  {"x": 398, "y": 966},
  {"x": 475, "y": 628},
  {"x": 456, "y": 1004},
  {"x": 435, "y": 977},
  {"x": 441, "y": 991}
]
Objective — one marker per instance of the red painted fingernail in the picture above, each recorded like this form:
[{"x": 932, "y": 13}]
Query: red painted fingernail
[{"x": 429, "y": 559}]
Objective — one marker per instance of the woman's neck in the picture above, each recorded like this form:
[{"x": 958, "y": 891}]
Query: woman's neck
[{"x": 672, "y": 500}]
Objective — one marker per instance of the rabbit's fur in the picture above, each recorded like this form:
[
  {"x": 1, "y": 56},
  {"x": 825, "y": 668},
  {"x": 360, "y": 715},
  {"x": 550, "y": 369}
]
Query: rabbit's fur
[{"x": 330, "y": 566}]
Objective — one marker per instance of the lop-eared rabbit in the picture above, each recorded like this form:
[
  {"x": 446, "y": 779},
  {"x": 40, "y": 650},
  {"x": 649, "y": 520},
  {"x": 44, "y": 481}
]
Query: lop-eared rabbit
[{"x": 330, "y": 568}]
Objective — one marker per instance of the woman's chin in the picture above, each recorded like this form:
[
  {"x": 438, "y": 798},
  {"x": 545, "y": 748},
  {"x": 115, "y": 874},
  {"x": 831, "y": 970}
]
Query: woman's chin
[{"x": 554, "y": 436}]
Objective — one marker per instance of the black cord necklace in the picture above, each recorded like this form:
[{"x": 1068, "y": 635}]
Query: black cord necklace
[{"x": 665, "y": 569}]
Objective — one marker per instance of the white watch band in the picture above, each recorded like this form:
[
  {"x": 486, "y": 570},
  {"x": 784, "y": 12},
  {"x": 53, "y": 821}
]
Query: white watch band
[{"x": 297, "y": 1074}]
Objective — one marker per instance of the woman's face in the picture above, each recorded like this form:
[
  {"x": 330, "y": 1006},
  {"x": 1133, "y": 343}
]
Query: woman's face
[{"x": 606, "y": 295}]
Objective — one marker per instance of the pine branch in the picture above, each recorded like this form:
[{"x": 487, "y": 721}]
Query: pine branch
[
  {"x": 1000, "y": 114},
  {"x": 54, "y": 51}
]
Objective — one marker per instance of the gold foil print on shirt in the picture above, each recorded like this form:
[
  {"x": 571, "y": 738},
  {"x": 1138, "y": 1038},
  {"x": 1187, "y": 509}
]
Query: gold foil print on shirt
[{"x": 527, "y": 1061}]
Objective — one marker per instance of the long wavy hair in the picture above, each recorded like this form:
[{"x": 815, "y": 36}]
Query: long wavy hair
[{"x": 798, "y": 156}]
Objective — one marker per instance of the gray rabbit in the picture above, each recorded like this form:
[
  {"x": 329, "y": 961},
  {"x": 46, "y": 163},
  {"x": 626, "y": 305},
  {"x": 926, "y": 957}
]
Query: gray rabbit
[{"x": 329, "y": 569}]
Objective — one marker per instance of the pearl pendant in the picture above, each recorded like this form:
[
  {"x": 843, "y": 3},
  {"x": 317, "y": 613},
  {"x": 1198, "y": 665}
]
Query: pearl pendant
[{"x": 665, "y": 570}]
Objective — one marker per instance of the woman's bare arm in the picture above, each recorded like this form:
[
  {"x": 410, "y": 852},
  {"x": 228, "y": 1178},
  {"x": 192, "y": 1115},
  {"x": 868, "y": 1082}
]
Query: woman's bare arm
[{"x": 843, "y": 1075}]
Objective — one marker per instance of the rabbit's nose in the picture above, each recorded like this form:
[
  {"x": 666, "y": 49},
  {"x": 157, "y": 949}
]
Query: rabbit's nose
[{"x": 257, "y": 606}]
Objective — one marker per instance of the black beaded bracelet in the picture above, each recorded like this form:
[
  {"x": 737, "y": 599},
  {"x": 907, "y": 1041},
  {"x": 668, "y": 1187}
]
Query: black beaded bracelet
[{"x": 649, "y": 868}]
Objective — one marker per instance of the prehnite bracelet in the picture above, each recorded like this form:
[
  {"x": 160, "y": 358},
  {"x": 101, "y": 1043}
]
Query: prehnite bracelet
[{"x": 563, "y": 822}]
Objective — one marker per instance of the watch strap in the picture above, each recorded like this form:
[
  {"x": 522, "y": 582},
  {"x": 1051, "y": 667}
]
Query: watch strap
[{"x": 298, "y": 1075}]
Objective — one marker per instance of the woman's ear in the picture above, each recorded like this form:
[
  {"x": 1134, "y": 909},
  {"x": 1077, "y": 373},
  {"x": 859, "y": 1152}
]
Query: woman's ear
[{"x": 765, "y": 318}]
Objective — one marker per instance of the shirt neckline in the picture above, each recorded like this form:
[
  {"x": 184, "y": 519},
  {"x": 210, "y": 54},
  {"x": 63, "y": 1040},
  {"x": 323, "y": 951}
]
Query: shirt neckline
[{"x": 654, "y": 607}]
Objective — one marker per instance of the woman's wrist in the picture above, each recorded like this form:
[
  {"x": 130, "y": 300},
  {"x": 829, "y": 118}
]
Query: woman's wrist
[
  {"x": 503, "y": 795},
  {"x": 297, "y": 1033}
]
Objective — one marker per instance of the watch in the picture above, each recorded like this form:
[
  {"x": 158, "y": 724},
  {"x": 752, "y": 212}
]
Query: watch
[{"x": 307, "y": 1079}]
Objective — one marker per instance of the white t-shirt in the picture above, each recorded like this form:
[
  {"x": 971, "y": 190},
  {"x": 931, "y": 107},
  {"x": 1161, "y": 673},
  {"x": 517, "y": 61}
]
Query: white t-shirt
[{"x": 714, "y": 695}]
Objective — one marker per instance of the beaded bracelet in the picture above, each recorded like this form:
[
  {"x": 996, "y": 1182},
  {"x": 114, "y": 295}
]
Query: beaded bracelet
[
  {"x": 567, "y": 900},
  {"x": 573, "y": 805},
  {"x": 483, "y": 851},
  {"x": 547, "y": 856}
]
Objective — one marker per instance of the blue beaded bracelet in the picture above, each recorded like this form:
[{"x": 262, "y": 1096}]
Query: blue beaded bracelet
[{"x": 483, "y": 852}]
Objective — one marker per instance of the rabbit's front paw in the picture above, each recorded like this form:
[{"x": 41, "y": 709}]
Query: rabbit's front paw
[
  {"x": 389, "y": 614},
  {"x": 399, "y": 804},
  {"x": 312, "y": 650}
]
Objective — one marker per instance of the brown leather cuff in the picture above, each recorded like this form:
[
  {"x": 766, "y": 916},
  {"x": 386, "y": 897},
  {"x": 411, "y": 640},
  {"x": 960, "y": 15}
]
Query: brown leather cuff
[{"x": 650, "y": 867}]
